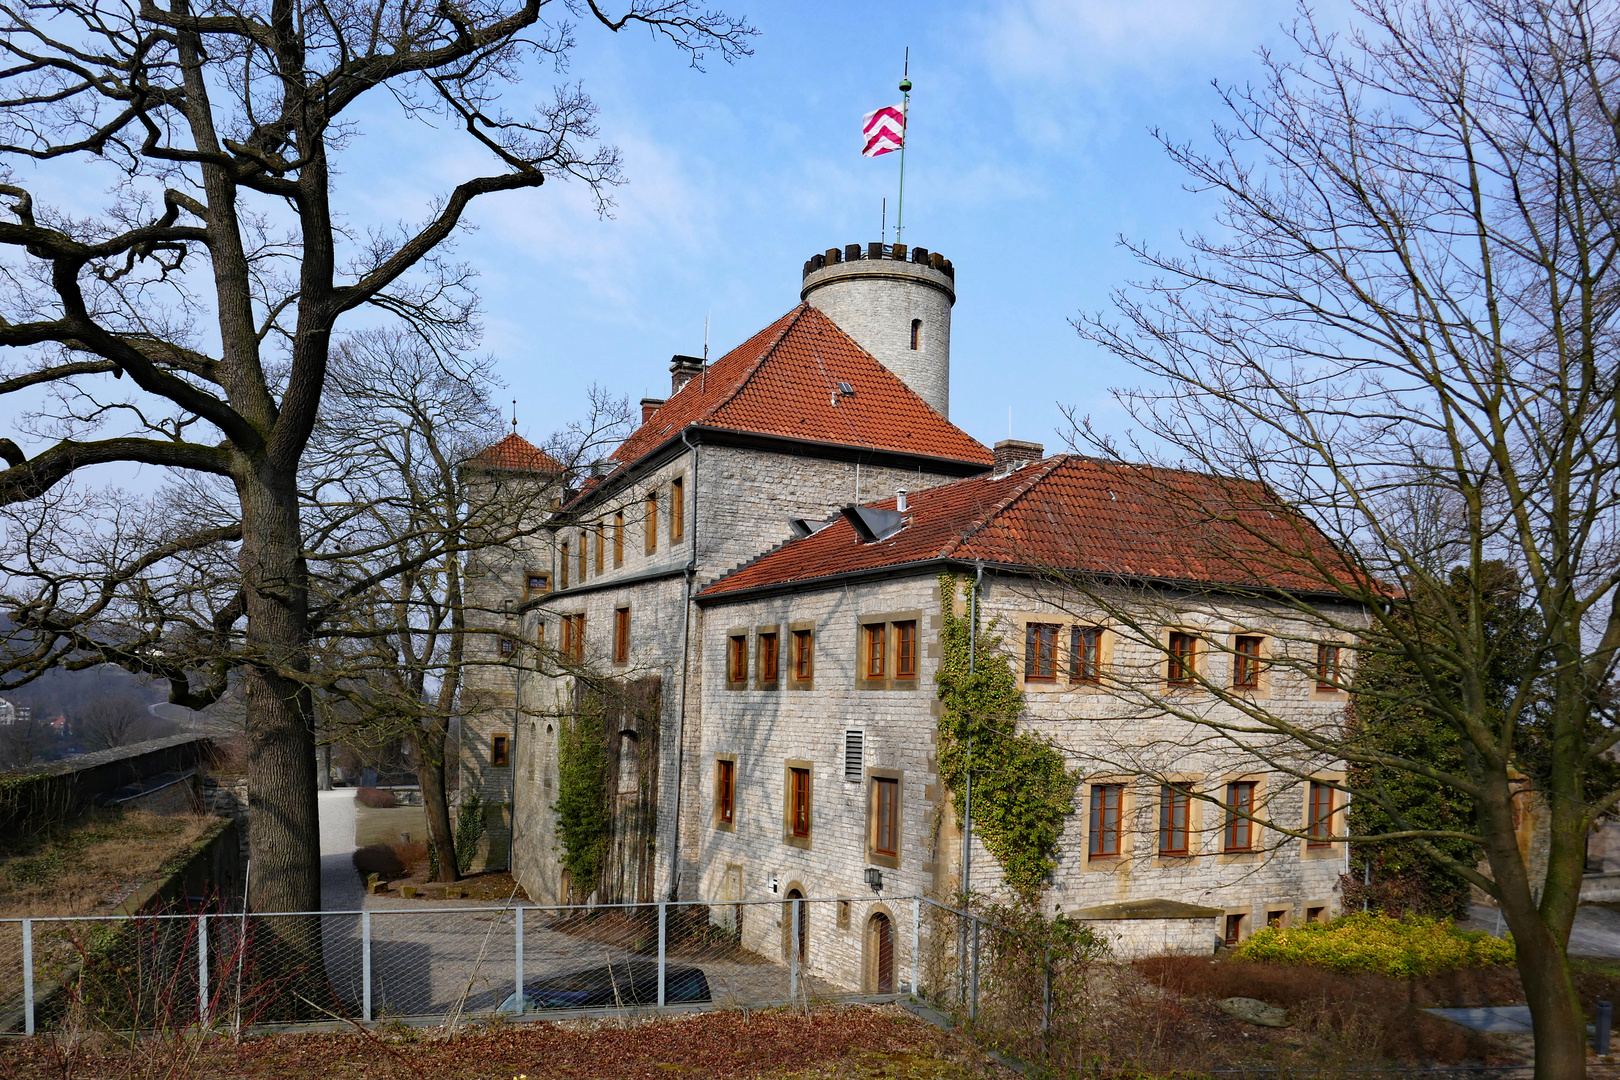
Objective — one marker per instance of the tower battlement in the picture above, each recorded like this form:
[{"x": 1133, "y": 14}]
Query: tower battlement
[{"x": 896, "y": 303}]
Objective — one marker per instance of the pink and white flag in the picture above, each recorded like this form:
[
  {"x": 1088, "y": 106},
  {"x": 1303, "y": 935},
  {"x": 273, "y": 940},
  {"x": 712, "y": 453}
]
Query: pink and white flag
[{"x": 885, "y": 130}]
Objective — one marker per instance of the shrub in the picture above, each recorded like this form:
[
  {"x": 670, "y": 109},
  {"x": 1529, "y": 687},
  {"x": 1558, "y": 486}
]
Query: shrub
[
  {"x": 378, "y": 859},
  {"x": 376, "y": 798},
  {"x": 1367, "y": 941}
]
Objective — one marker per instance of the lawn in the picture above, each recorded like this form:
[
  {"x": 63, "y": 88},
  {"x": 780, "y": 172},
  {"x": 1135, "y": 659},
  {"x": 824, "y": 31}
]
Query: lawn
[{"x": 843, "y": 1042}]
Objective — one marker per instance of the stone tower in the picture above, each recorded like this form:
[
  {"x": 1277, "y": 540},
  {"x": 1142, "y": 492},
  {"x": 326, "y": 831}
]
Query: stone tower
[{"x": 897, "y": 304}]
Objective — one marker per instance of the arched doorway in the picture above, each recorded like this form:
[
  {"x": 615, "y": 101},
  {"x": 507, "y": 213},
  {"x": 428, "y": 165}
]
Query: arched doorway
[
  {"x": 880, "y": 948},
  {"x": 787, "y": 924}
]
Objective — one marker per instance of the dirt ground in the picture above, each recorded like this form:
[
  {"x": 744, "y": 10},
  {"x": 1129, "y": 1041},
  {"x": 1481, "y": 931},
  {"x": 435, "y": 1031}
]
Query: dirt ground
[{"x": 835, "y": 1042}]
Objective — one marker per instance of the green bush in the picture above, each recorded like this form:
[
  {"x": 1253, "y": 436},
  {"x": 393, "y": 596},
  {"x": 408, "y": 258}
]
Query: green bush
[{"x": 1368, "y": 941}]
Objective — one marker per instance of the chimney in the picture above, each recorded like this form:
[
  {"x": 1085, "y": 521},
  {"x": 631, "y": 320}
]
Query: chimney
[
  {"x": 650, "y": 405},
  {"x": 1013, "y": 454},
  {"x": 682, "y": 370},
  {"x": 900, "y": 500}
]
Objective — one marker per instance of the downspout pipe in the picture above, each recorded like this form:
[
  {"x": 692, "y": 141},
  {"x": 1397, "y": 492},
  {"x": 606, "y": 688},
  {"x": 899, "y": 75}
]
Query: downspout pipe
[{"x": 686, "y": 651}]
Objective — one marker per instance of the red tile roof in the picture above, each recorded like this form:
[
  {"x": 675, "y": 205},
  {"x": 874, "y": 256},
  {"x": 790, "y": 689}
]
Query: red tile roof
[
  {"x": 783, "y": 381},
  {"x": 1076, "y": 514},
  {"x": 517, "y": 453}
]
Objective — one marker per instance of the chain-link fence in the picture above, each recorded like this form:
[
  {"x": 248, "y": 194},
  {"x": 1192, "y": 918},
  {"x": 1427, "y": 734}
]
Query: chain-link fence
[{"x": 435, "y": 964}]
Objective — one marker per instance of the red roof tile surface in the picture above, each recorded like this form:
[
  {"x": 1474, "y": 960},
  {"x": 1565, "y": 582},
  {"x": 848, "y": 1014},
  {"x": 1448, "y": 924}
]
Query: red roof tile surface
[
  {"x": 1076, "y": 514},
  {"x": 517, "y": 453},
  {"x": 783, "y": 382}
]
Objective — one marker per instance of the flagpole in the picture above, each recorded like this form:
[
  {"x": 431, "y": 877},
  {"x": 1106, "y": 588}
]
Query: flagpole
[{"x": 905, "y": 137}]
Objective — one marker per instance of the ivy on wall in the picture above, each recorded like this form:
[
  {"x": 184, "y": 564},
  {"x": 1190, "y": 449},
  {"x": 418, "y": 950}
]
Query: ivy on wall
[
  {"x": 583, "y": 824},
  {"x": 1021, "y": 791}
]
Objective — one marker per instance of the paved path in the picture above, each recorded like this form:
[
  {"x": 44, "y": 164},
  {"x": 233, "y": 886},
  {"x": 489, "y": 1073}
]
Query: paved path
[
  {"x": 1596, "y": 931},
  {"x": 340, "y": 885}
]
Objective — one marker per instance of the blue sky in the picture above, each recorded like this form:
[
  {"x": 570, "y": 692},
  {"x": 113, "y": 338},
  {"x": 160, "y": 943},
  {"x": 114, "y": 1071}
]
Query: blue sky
[{"x": 1030, "y": 155}]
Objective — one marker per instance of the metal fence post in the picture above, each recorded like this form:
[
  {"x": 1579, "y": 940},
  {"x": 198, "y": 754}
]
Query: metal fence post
[
  {"x": 973, "y": 989},
  {"x": 916, "y": 948},
  {"x": 663, "y": 925},
  {"x": 28, "y": 976},
  {"x": 793, "y": 950},
  {"x": 365, "y": 966},
  {"x": 202, "y": 970},
  {"x": 518, "y": 958}
]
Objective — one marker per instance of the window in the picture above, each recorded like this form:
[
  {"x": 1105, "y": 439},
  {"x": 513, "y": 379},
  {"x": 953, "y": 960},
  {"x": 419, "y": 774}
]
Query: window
[
  {"x": 507, "y": 647},
  {"x": 600, "y": 553},
  {"x": 573, "y": 637},
  {"x": 737, "y": 659},
  {"x": 854, "y": 754},
  {"x": 536, "y": 582},
  {"x": 799, "y": 801},
  {"x": 563, "y": 564},
  {"x": 1315, "y": 914},
  {"x": 802, "y": 644},
  {"x": 886, "y": 814},
  {"x": 1327, "y": 667},
  {"x": 618, "y": 538},
  {"x": 1040, "y": 652},
  {"x": 905, "y": 649},
  {"x": 540, "y": 634},
  {"x": 1274, "y": 919},
  {"x": 498, "y": 754},
  {"x": 1085, "y": 654},
  {"x": 768, "y": 659},
  {"x": 1234, "y": 929},
  {"x": 874, "y": 650},
  {"x": 1174, "y": 807},
  {"x": 1320, "y": 829},
  {"x": 1183, "y": 659},
  {"x": 677, "y": 510},
  {"x": 1239, "y": 813},
  {"x": 649, "y": 517},
  {"x": 725, "y": 792},
  {"x": 1246, "y": 663},
  {"x": 916, "y": 333},
  {"x": 584, "y": 553},
  {"x": 1105, "y": 806},
  {"x": 621, "y": 635}
]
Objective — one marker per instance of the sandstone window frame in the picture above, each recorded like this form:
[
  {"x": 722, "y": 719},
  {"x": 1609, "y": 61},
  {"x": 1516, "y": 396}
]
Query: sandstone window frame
[
  {"x": 573, "y": 636},
  {"x": 1329, "y": 672},
  {"x": 677, "y": 509},
  {"x": 1065, "y": 661},
  {"x": 1236, "y": 925},
  {"x": 618, "y": 539},
  {"x": 649, "y": 522},
  {"x": 500, "y": 751},
  {"x": 905, "y": 649},
  {"x": 621, "y": 634},
  {"x": 1183, "y": 659},
  {"x": 1176, "y": 832},
  {"x": 1251, "y": 830},
  {"x": 1250, "y": 672},
  {"x": 1105, "y": 820},
  {"x": 886, "y": 622},
  {"x": 1124, "y": 833},
  {"x": 875, "y": 779},
  {"x": 725, "y": 792},
  {"x": 1087, "y": 662},
  {"x": 584, "y": 554},
  {"x": 736, "y": 658},
  {"x": 798, "y": 803},
  {"x": 802, "y": 636},
  {"x": 601, "y": 546},
  {"x": 767, "y": 657},
  {"x": 535, "y": 583},
  {"x": 1041, "y": 651},
  {"x": 506, "y": 646},
  {"x": 1314, "y": 849},
  {"x": 562, "y": 564}
]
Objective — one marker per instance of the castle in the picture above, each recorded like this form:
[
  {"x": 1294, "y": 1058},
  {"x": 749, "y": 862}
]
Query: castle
[{"x": 753, "y": 581}]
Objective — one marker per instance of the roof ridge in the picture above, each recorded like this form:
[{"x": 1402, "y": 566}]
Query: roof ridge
[{"x": 1019, "y": 491}]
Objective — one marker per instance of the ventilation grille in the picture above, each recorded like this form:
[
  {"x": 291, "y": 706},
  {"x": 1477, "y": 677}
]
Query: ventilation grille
[{"x": 854, "y": 754}]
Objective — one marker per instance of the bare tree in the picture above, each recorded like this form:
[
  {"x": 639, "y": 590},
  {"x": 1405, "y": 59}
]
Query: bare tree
[
  {"x": 117, "y": 721},
  {"x": 215, "y": 279},
  {"x": 1403, "y": 332}
]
